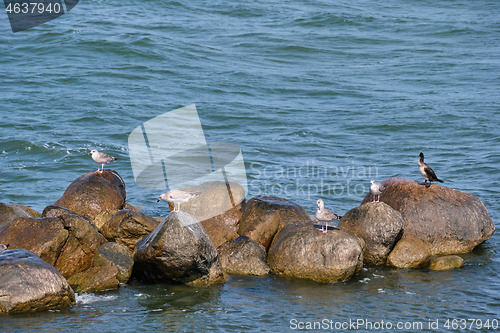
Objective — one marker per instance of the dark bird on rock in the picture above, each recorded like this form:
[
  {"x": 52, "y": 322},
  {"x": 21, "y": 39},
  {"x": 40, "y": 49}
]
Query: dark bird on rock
[{"x": 426, "y": 171}]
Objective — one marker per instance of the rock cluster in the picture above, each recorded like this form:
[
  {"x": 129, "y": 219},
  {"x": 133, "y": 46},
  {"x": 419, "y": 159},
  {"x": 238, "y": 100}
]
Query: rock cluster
[{"x": 92, "y": 240}]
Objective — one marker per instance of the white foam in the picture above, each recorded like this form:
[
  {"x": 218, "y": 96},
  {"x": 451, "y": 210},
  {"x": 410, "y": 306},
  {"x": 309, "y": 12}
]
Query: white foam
[{"x": 92, "y": 298}]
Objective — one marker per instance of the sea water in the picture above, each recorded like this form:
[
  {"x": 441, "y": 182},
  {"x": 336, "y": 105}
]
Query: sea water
[{"x": 320, "y": 96}]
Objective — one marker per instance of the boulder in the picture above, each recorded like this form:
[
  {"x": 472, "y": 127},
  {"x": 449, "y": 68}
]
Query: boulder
[
  {"x": 57, "y": 211},
  {"x": 409, "y": 253},
  {"x": 68, "y": 242},
  {"x": 178, "y": 250},
  {"x": 27, "y": 283},
  {"x": 300, "y": 250},
  {"x": 95, "y": 279},
  {"x": 127, "y": 227},
  {"x": 11, "y": 211},
  {"x": 83, "y": 241},
  {"x": 447, "y": 220},
  {"x": 43, "y": 236},
  {"x": 259, "y": 217},
  {"x": 446, "y": 262},
  {"x": 243, "y": 256},
  {"x": 93, "y": 193},
  {"x": 118, "y": 255},
  {"x": 218, "y": 207},
  {"x": 104, "y": 217},
  {"x": 379, "y": 225}
]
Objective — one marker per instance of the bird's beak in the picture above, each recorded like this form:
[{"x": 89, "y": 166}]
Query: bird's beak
[{"x": 158, "y": 200}]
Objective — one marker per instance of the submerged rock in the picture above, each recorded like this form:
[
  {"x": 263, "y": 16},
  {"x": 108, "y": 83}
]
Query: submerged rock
[
  {"x": 127, "y": 227},
  {"x": 93, "y": 193},
  {"x": 178, "y": 250},
  {"x": 301, "y": 251},
  {"x": 27, "y": 283},
  {"x": 379, "y": 225},
  {"x": 264, "y": 215},
  {"x": 11, "y": 211},
  {"x": 118, "y": 255},
  {"x": 446, "y": 262},
  {"x": 446, "y": 220},
  {"x": 243, "y": 256}
]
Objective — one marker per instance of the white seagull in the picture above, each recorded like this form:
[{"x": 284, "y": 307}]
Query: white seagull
[
  {"x": 101, "y": 158},
  {"x": 177, "y": 197},
  {"x": 324, "y": 215},
  {"x": 376, "y": 189}
]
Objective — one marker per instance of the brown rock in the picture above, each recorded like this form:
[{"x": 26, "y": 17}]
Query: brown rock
[
  {"x": 27, "y": 283},
  {"x": 218, "y": 207},
  {"x": 56, "y": 211},
  {"x": 118, "y": 255},
  {"x": 95, "y": 279},
  {"x": 379, "y": 225},
  {"x": 255, "y": 221},
  {"x": 178, "y": 250},
  {"x": 301, "y": 251},
  {"x": 447, "y": 220},
  {"x": 11, "y": 211},
  {"x": 43, "y": 236},
  {"x": 128, "y": 227},
  {"x": 243, "y": 256},
  {"x": 104, "y": 217},
  {"x": 93, "y": 193},
  {"x": 446, "y": 262},
  {"x": 409, "y": 253}
]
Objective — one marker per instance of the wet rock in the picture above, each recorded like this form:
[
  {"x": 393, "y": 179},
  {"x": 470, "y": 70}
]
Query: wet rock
[
  {"x": 218, "y": 207},
  {"x": 57, "y": 211},
  {"x": 95, "y": 279},
  {"x": 409, "y": 253},
  {"x": 243, "y": 256},
  {"x": 104, "y": 217},
  {"x": 447, "y": 220},
  {"x": 93, "y": 193},
  {"x": 446, "y": 262},
  {"x": 379, "y": 225},
  {"x": 256, "y": 224},
  {"x": 43, "y": 236},
  {"x": 11, "y": 211},
  {"x": 127, "y": 227},
  {"x": 300, "y": 250},
  {"x": 27, "y": 283},
  {"x": 178, "y": 250},
  {"x": 118, "y": 255}
]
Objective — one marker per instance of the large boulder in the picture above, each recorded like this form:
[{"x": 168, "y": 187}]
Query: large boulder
[
  {"x": 43, "y": 236},
  {"x": 127, "y": 227},
  {"x": 118, "y": 255},
  {"x": 178, "y": 250},
  {"x": 410, "y": 253},
  {"x": 218, "y": 207},
  {"x": 27, "y": 283},
  {"x": 93, "y": 193},
  {"x": 79, "y": 249},
  {"x": 300, "y": 250},
  {"x": 68, "y": 242},
  {"x": 11, "y": 211},
  {"x": 446, "y": 220},
  {"x": 56, "y": 211},
  {"x": 379, "y": 225},
  {"x": 264, "y": 215},
  {"x": 243, "y": 256}
]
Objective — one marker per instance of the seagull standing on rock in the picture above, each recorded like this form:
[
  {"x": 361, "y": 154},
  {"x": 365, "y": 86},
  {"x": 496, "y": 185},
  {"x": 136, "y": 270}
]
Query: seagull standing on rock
[
  {"x": 324, "y": 215},
  {"x": 426, "y": 171},
  {"x": 101, "y": 158},
  {"x": 376, "y": 190},
  {"x": 177, "y": 197}
]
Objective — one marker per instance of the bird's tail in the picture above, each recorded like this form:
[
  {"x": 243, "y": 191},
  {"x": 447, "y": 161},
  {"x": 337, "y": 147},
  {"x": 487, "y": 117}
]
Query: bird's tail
[{"x": 439, "y": 180}]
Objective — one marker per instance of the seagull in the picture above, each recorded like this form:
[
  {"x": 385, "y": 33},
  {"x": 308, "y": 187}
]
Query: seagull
[
  {"x": 426, "y": 171},
  {"x": 325, "y": 215},
  {"x": 3, "y": 247},
  {"x": 376, "y": 189},
  {"x": 177, "y": 197},
  {"x": 101, "y": 158}
]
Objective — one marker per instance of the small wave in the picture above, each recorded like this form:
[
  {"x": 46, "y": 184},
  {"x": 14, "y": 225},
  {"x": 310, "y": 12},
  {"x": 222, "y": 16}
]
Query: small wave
[{"x": 92, "y": 298}]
